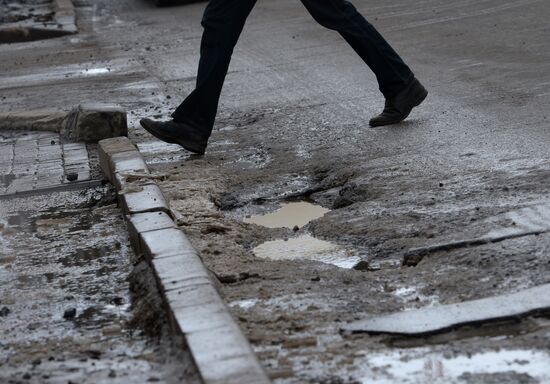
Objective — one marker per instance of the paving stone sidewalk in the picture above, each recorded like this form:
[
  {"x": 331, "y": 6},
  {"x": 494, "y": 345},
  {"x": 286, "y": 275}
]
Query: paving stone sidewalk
[
  {"x": 76, "y": 304},
  {"x": 66, "y": 309},
  {"x": 35, "y": 160}
]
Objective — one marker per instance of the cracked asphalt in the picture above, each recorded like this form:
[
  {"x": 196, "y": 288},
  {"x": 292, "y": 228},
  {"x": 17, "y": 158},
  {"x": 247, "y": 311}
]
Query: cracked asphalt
[{"x": 293, "y": 125}]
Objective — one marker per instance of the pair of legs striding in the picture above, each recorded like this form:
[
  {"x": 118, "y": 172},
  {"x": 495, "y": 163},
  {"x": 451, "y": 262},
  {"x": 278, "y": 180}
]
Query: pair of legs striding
[{"x": 223, "y": 22}]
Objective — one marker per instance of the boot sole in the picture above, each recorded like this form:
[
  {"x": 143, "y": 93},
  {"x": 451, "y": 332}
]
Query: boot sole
[{"x": 199, "y": 150}]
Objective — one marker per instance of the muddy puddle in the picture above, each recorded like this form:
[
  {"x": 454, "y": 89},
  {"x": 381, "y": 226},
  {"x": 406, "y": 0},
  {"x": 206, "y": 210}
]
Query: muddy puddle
[
  {"x": 307, "y": 247},
  {"x": 523, "y": 365},
  {"x": 295, "y": 215},
  {"x": 289, "y": 215}
]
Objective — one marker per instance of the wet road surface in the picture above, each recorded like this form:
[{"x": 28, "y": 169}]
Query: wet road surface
[{"x": 293, "y": 125}]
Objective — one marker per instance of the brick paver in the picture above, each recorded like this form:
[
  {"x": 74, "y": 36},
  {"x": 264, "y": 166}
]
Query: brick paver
[{"x": 36, "y": 160}]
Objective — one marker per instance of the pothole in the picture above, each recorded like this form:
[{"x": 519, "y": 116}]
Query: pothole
[
  {"x": 295, "y": 215},
  {"x": 307, "y": 247},
  {"x": 290, "y": 215}
]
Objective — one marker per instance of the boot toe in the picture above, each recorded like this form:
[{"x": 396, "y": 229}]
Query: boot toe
[
  {"x": 376, "y": 121},
  {"x": 385, "y": 119}
]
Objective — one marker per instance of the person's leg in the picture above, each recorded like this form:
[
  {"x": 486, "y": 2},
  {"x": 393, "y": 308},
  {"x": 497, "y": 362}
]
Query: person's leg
[
  {"x": 223, "y": 22},
  {"x": 193, "y": 120},
  {"x": 396, "y": 81},
  {"x": 392, "y": 73}
]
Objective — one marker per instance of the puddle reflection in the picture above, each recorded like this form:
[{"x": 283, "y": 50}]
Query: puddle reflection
[
  {"x": 307, "y": 247},
  {"x": 289, "y": 215},
  {"x": 295, "y": 215}
]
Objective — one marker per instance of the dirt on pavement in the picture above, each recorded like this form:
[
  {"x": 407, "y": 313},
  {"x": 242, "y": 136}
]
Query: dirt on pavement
[{"x": 292, "y": 126}]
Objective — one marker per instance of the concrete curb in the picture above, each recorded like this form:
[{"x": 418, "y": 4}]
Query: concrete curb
[
  {"x": 65, "y": 24},
  {"x": 220, "y": 351}
]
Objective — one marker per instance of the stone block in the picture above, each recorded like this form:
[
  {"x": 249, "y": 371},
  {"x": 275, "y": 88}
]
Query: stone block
[
  {"x": 202, "y": 317},
  {"x": 180, "y": 271},
  {"x": 108, "y": 148},
  {"x": 146, "y": 222},
  {"x": 223, "y": 355},
  {"x": 75, "y": 155},
  {"x": 36, "y": 120},
  {"x": 91, "y": 123},
  {"x": 120, "y": 182},
  {"x": 130, "y": 161},
  {"x": 21, "y": 184},
  {"x": 166, "y": 242},
  {"x": 194, "y": 276},
  {"x": 143, "y": 198},
  {"x": 198, "y": 293}
]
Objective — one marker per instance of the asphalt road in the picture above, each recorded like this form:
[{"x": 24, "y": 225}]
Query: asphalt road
[{"x": 293, "y": 123}]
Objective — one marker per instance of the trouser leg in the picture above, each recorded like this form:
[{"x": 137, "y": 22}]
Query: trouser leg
[
  {"x": 340, "y": 15},
  {"x": 223, "y": 22}
]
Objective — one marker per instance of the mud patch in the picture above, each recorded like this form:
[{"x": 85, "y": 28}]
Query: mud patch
[{"x": 148, "y": 310}]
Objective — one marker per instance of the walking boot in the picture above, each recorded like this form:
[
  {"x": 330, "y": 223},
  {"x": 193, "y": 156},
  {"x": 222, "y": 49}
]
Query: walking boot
[
  {"x": 400, "y": 106},
  {"x": 175, "y": 132}
]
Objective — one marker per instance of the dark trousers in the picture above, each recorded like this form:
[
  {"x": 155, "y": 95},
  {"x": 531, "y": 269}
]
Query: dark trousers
[{"x": 223, "y": 22}]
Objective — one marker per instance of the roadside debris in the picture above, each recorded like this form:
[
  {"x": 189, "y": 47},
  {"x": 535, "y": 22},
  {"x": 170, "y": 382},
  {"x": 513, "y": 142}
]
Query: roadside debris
[
  {"x": 69, "y": 314},
  {"x": 72, "y": 176},
  {"x": 426, "y": 321},
  {"x": 86, "y": 123}
]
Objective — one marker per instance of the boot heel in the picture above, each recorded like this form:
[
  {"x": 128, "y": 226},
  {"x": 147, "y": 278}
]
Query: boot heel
[{"x": 421, "y": 96}]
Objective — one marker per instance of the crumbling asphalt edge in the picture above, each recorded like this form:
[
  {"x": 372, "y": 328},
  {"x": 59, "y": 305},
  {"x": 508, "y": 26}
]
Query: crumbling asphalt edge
[{"x": 219, "y": 349}]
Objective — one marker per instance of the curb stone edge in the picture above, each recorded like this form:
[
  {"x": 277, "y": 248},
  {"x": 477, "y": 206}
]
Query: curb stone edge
[{"x": 219, "y": 349}]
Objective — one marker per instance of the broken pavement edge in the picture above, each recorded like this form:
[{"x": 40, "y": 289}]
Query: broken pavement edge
[{"x": 438, "y": 319}]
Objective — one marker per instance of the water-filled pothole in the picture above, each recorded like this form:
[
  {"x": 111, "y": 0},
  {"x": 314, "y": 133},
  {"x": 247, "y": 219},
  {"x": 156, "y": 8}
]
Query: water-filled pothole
[
  {"x": 307, "y": 247},
  {"x": 289, "y": 215},
  {"x": 304, "y": 247}
]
